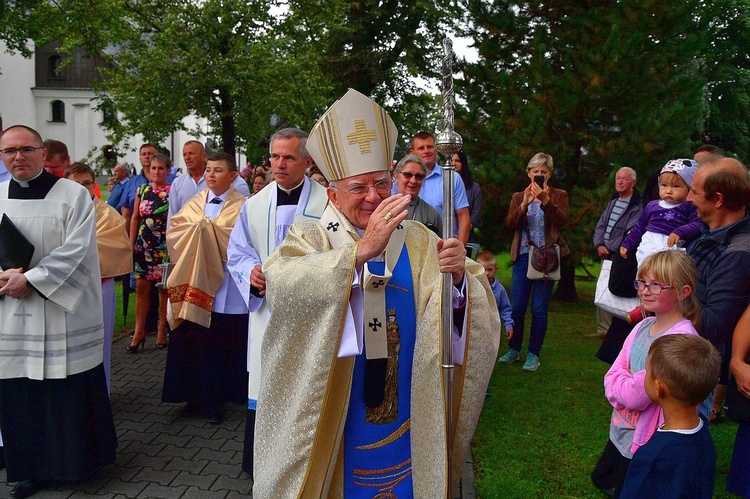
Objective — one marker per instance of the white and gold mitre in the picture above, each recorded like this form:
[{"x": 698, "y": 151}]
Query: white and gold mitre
[{"x": 353, "y": 137}]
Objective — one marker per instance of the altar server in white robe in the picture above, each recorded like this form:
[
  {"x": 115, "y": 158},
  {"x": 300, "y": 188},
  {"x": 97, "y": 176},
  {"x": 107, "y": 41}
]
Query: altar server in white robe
[
  {"x": 115, "y": 253},
  {"x": 206, "y": 361},
  {"x": 262, "y": 225},
  {"x": 55, "y": 415}
]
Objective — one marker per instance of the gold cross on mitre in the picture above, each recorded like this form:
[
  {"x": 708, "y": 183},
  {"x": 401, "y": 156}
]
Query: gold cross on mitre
[{"x": 361, "y": 136}]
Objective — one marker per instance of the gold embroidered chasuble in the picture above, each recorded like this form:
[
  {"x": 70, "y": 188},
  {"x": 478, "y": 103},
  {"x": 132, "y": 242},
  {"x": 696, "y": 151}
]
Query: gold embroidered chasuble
[
  {"x": 305, "y": 387},
  {"x": 112, "y": 242},
  {"x": 198, "y": 247}
]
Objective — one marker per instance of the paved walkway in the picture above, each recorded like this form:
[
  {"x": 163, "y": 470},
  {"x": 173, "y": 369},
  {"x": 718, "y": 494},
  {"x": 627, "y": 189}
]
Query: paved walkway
[{"x": 160, "y": 453}]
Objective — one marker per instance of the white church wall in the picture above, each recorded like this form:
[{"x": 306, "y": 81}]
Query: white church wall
[{"x": 22, "y": 103}]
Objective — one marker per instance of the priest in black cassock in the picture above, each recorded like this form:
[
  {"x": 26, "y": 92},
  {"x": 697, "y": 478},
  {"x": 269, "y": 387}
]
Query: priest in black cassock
[{"x": 55, "y": 415}]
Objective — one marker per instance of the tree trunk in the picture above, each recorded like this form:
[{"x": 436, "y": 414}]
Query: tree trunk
[
  {"x": 227, "y": 121},
  {"x": 566, "y": 288}
]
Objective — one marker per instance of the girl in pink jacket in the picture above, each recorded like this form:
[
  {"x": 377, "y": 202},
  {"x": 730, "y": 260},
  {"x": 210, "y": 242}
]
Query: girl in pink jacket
[{"x": 665, "y": 287}]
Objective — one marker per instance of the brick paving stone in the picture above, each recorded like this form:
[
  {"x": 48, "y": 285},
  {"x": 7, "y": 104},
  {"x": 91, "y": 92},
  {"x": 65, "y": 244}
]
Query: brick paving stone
[
  {"x": 90, "y": 487},
  {"x": 158, "y": 408},
  {"x": 161, "y": 492},
  {"x": 175, "y": 451},
  {"x": 131, "y": 416},
  {"x": 150, "y": 419},
  {"x": 224, "y": 457},
  {"x": 157, "y": 463},
  {"x": 196, "y": 493},
  {"x": 233, "y": 445},
  {"x": 229, "y": 470},
  {"x": 145, "y": 449},
  {"x": 235, "y": 484},
  {"x": 202, "y": 481},
  {"x": 233, "y": 494},
  {"x": 199, "y": 431},
  {"x": 194, "y": 466},
  {"x": 178, "y": 440},
  {"x": 84, "y": 495},
  {"x": 125, "y": 473},
  {"x": 161, "y": 477},
  {"x": 206, "y": 443},
  {"x": 128, "y": 489},
  {"x": 226, "y": 433},
  {"x": 144, "y": 437},
  {"x": 48, "y": 494}
]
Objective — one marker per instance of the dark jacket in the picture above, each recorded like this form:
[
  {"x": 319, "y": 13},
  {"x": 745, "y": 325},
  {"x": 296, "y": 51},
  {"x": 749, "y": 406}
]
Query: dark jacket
[
  {"x": 555, "y": 216},
  {"x": 626, "y": 222},
  {"x": 722, "y": 259}
]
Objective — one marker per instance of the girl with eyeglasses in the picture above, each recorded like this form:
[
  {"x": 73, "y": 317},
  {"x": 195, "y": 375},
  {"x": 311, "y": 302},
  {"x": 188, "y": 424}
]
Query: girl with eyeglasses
[{"x": 665, "y": 285}]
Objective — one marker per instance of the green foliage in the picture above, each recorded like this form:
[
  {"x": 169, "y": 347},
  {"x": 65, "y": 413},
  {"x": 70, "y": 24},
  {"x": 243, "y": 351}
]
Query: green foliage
[
  {"x": 594, "y": 84},
  {"x": 590, "y": 83},
  {"x": 222, "y": 60},
  {"x": 728, "y": 62},
  {"x": 377, "y": 48}
]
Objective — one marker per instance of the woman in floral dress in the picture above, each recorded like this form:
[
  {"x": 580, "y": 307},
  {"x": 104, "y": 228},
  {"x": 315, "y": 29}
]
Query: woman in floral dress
[{"x": 148, "y": 235}]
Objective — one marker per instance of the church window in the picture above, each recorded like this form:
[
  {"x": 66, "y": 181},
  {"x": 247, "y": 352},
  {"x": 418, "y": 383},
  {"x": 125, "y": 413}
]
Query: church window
[
  {"x": 53, "y": 67},
  {"x": 58, "y": 111}
]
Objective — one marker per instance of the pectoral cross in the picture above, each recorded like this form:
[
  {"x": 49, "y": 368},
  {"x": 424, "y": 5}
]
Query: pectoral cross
[{"x": 23, "y": 314}]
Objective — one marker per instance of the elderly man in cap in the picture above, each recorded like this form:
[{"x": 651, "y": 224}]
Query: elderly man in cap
[{"x": 351, "y": 400}]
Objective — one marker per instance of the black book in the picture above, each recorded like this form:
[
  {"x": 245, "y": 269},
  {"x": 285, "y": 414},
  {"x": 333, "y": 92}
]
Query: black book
[{"x": 15, "y": 248}]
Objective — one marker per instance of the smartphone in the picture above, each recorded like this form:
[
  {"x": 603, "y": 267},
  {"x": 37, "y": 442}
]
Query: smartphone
[{"x": 539, "y": 179}]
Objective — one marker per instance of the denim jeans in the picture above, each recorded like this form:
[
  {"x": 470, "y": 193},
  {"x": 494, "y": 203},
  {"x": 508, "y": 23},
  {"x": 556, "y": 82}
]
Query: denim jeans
[{"x": 521, "y": 288}]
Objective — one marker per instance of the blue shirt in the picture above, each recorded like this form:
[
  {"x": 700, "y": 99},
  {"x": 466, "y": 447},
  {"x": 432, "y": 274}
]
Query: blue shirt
[
  {"x": 432, "y": 190},
  {"x": 503, "y": 303},
  {"x": 129, "y": 193},
  {"x": 115, "y": 197}
]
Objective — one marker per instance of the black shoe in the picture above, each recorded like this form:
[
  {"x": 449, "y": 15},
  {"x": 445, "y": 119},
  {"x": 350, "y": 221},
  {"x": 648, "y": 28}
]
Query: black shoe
[
  {"x": 214, "y": 417},
  {"x": 27, "y": 488}
]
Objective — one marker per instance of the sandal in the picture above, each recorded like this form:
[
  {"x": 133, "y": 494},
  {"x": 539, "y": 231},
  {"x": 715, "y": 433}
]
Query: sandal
[{"x": 716, "y": 417}]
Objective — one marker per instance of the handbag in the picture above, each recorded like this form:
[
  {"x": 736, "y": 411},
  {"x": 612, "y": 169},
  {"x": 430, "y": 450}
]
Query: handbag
[
  {"x": 736, "y": 405},
  {"x": 544, "y": 263},
  {"x": 615, "y": 305}
]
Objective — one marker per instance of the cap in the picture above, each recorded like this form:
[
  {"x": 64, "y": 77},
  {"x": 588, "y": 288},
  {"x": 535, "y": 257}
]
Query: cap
[{"x": 685, "y": 168}]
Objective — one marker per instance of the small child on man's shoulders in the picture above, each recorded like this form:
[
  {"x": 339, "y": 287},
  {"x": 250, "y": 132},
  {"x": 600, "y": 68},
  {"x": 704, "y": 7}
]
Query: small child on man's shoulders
[
  {"x": 664, "y": 222},
  {"x": 679, "y": 460},
  {"x": 487, "y": 260}
]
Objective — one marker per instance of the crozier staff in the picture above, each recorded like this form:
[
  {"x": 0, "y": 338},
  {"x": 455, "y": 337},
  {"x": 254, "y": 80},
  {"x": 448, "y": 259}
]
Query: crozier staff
[{"x": 351, "y": 400}]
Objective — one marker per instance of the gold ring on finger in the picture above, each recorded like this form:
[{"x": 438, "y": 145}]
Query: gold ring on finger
[{"x": 388, "y": 216}]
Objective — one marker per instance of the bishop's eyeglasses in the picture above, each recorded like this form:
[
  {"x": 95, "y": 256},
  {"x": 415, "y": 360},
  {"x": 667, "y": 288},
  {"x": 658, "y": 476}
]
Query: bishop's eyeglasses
[{"x": 382, "y": 186}]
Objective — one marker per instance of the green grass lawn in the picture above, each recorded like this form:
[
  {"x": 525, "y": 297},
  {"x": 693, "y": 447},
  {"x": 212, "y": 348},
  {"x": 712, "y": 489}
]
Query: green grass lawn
[{"x": 541, "y": 433}]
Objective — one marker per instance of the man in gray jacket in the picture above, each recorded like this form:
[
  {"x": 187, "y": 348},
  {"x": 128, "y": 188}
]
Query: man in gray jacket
[{"x": 618, "y": 218}]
